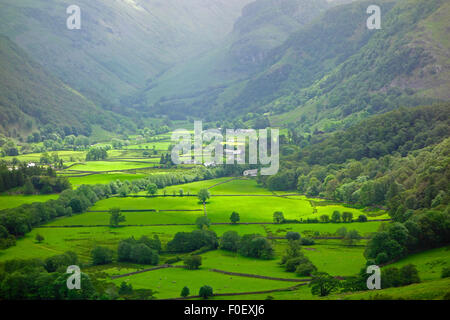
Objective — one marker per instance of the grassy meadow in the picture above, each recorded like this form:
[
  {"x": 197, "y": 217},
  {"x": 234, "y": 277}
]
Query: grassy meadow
[{"x": 169, "y": 213}]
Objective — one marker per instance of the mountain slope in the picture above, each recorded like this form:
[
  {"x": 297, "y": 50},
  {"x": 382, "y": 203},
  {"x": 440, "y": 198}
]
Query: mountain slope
[
  {"x": 197, "y": 83},
  {"x": 332, "y": 72},
  {"x": 32, "y": 97},
  {"x": 121, "y": 44},
  {"x": 405, "y": 63}
]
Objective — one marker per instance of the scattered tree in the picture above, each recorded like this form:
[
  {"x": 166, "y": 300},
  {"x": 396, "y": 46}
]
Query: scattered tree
[
  {"x": 336, "y": 216},
  {"x": 203, "y": 195},
  {"x": 230, "y": 241},
  {"x": 39, "y": 238},
  {"x": 235, "y": 218},
  {"x": 185, "y": 292},
  {"x": 193, "y": 262},
  {"x": 101, "y": 255},
  {"x": 152, "y": 189},
  {"x": 278, "y": 217},
  {"x": 322, "y": 284},
  {"x": 116, "y": 217},
  {"x": 205, "y": 292},
  {"x": 203, "y": 222}
]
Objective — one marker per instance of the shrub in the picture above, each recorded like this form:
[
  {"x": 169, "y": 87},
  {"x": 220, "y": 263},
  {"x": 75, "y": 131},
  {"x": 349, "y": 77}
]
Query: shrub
[
  {"x": 203, "y": 222},
  {"x": 381, "y": 258},
  {"x": 101, "y": 255},
  {"x": 362, "y": 218},
  {"x": 191, "y": 241},
  {"x": 445, "y": 272},
  {"x": 230, "y": 241},
  {"x": 292, "y": 264},
  {"x": 394, "y": 277},
  {"x": 307, "y": 241},
  {"x": 185, "y": 292},
  {"x": 256, "y": 246},
  {"x": 206, "y": 292},
  {"x": 278, "y": 217},
  {"x": 336, "y": 216},
  {"x": 125, "y": 289},
  {"x": 293, "y": 235},
  {"x": 235, "y": 218},
  {"x": 193, "y": 262},
  {"x": 305, "y": 269}
]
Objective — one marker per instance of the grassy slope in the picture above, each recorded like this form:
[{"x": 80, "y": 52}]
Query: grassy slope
[
  {"x": 12, "y": 201},
  {"x": 122, "y": 43},
  {"x": 414, "y": 24},
  {"x": 264, "y": 25},
  {"x": 28, "y": 91}
]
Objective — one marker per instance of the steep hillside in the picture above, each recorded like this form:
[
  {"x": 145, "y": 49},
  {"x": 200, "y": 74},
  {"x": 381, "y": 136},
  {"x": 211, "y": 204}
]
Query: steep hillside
[
  {"x": 328, "y": 74},
  {"x": 404, "y": 64},
  {"x": 198, "y": 83},
  {"x": 399, "y": 131},
  {"x": 31, "y": 97},
  {"x": 121, "y": 44}
]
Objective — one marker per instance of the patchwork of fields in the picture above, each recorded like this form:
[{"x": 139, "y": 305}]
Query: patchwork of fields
[
  {"x": 176, "y": 208},
  {"x": 166, "y": 215}
]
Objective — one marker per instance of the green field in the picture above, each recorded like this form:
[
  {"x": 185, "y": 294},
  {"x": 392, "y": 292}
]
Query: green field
[
  {"x": 233, "y": 262},
  {"x": 171, "y": 214},
  {"x": 239, "y": 186},
  {"x": 104, "y": 178},
  {"x": 7, "y": 201},
  {"x": 257, "y": 209},
  {"x": 81, "y": 240},
  {"x": 147, "y": 203},
  {"x": 429, "y": 263},
  {"x": 132, "y": 218},
  {"x": 102, "y": 166},
  {"x": 169, "y": 282}
]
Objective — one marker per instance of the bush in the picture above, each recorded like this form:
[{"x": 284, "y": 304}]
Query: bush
[
  {"x": 336, "y": 217},
  {"x": 101, "y": 255},
  {"x": 307, "y": 241},
  {"x": 445, "y": 272},
  {"x": 203, "y": 222},
  {"x": 173, "y": 260},
  {"x": 230, "y": 241},
  {"x": 293, "y": 235},
  {"x": 206, "y": 292},
  {"x": 125, "y": 289},
  {"x": 185, "y": 292},
  {"x": 142, "y": 254},
  {"x": 394, "y": 277},
  {"x": 362, "y": 218},
  {"x": 191, "y": 241},
  {"x": 142, "y": 251},
  {"x": 193, "y": 262},
  {"x": 256, "y": 246},
  {"x": 64, "y": 260},
  {"x": 381, "y": 258},
  {"x": 235, "y": 218},
  {"x": 305, "y": 269},
  {"x": 278, "y": 217},
  {"x": 292, "y": 264}
]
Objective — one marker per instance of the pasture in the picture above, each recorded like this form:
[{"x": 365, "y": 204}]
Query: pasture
[
  {"x": 169, "y": 282},
  {"x": 429, "y": 263},
  {"x": 12, "y": 201},
  {"x": 105, "y": 166},
  {"x": 104, "y": 178}
]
